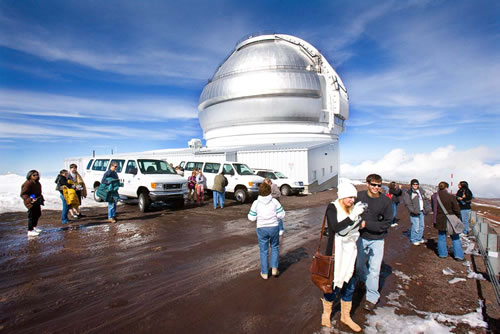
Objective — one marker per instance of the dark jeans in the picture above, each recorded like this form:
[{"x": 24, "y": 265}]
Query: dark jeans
[{"x": 33, "y": 215}]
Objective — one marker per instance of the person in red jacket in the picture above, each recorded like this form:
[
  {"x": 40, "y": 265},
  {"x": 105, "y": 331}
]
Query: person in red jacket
[{"x": 31, "y": 193}]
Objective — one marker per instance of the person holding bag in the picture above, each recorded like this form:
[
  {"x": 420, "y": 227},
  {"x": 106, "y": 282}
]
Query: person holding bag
[
  {"x": 344, "y": 222},
  {"x": 448, "y": 204}
]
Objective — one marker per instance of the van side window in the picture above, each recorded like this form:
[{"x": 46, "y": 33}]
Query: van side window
[
  {"x": 131, "y": 167},
  {"x": 182, "y": 164},
  {"x": 120, "y": 165},
  {"x": 211, "y": 167},
  {"x": 100, "y": 165},
  {"x": 90, "y": 163},
  {"x": 228, "y": 169},
  {"x": 192, "y": 165}
]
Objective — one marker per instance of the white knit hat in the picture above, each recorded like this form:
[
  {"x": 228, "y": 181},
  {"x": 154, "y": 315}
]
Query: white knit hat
[{"x": 346, "y": 189}]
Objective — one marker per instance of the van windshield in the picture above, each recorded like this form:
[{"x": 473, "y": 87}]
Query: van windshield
[
  {"x": 243, "y": 169},
  {"x": 154, "y": 167},
  {"x": 280, "y": 175}
]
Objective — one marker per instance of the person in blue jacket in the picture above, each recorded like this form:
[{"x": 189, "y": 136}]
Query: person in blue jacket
[{"x": 111, "y": 178}]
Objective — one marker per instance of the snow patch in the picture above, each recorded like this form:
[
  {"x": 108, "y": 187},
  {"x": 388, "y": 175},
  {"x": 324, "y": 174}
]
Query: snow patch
[
  {"x": 448, "y": 271},
  {"x": 456, "y": 280}
]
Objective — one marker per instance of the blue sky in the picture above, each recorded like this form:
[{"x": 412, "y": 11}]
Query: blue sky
[{"x": 77, "y": 76}]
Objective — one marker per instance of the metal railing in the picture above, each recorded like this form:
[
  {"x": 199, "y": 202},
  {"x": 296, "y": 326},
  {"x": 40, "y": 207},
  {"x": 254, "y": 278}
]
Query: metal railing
[{"x": 488, "y": 246}]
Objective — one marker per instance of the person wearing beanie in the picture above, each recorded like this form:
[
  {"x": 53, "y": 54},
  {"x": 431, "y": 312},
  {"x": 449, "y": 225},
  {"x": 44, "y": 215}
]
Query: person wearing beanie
[
  {"x": 418, "y": 205},
  {"x": 464, "y": 198},
  {"x": 31, "y": 193},
  {"x": 344, "y": 221},
  {"x": 377, "y": 218}
]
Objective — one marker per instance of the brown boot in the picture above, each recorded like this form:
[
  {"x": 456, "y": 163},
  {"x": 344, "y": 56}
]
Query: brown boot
[
  {"x": 345, "y": 316},
  {"x": 327, "y": 312}
]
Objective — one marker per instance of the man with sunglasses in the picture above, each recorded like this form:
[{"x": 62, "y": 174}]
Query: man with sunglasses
[
  {"x": 418, "y": 205},
  {"x": 377, "y": 219}
]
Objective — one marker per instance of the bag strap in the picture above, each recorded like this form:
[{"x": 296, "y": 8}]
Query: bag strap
[
  {"x": 322, "y": 231},
  {"x": 441, "y": 204}
]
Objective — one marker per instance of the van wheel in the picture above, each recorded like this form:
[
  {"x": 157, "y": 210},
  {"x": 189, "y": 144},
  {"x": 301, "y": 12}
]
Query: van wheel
[
  {"x": 144, "y": 202},
  {"x": 286, "y": 190},
  {"x": 240, "y": 195},
  {"x": 96, "y": 198}
]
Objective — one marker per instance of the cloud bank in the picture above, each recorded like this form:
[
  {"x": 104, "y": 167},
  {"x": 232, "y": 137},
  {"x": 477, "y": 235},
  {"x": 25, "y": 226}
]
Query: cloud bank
[{"x": 479, "y": 167}]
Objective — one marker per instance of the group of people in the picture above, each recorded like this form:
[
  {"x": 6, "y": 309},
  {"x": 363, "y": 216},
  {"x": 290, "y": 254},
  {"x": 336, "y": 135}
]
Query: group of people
[
  {"x": 72, "y": 189},
  {"x": 359, "y": 235},
  {"x": 358, "y": 222}
]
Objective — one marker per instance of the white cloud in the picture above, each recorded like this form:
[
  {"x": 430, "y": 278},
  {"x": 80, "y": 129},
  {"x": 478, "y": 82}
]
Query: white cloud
[
  {"x": 145, "y": 108},
  {"x": 471, "y": 165}
]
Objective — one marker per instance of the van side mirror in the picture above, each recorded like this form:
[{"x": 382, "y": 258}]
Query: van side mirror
[{"x": 232, "y": 172}]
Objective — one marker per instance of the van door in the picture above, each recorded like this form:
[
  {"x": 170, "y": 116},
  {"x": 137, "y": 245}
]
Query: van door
[
  {"x": 131, "y": 178},
  {"x": 210, "y": 170},
  {"x": 231, "y": 176}
]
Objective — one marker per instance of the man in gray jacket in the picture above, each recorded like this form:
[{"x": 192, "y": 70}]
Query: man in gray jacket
[
  {"x": 219, "y": 189},
  {"x": 418, "y": 205}
]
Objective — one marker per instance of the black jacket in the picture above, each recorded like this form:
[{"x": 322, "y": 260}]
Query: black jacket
[{"x": 466, "y": 195}]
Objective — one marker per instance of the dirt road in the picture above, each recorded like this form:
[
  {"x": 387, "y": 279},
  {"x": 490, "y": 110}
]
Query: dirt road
[{"x": 196, "y": 271}]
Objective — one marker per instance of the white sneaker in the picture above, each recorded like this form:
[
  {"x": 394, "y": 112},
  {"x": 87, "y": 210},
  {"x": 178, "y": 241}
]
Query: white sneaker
[
  {"x": 264, "y": 276},
  {"x": 282, "y": 231},
  {"x": 275, "y": 272},
  {"x": 39, "y": 230},
  {"x": 421, "y": 242},
  {"x": 33, "y": 233}
]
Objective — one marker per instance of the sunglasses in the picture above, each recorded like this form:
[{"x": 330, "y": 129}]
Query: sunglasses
[
  {"x": 376, "y": 184},
  {"x": 414, "y": 184}
]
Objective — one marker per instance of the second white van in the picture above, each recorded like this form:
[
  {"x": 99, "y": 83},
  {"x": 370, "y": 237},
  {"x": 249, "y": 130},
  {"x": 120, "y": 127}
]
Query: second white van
[{"x": 242, "y": 182}]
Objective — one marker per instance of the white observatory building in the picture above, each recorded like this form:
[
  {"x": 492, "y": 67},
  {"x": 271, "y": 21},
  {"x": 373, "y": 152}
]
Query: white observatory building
[
  {"x": 273, "y": 89},
  {"x": 274, "y": 103}
]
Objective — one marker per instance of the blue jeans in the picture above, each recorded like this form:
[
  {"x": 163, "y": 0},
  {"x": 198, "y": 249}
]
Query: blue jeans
[
  {"x": 417, "y": 227},
  {"x": 458, "y": 253},
  {"x": 266, "y": 236},
  {"x": 346, "y": 292},
  {"x": 465, "y": 216},
  {"x": 368, "y": 263},
  {"x": 111, "y": 210},
  {"x": 394, "y": 211},
  {"x": 219, "y": 197},
  {"x": 65, "y": 210}
]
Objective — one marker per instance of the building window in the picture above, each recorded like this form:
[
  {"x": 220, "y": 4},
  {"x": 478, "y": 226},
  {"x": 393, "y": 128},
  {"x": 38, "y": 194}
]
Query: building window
[
  {"x": 331, "y": 169},
  {"x": 323, "y": 171},
  {"x": 314, "y": 175}
]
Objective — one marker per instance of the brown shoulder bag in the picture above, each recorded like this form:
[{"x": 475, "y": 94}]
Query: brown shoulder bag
[{"x": 322, "y": 267}]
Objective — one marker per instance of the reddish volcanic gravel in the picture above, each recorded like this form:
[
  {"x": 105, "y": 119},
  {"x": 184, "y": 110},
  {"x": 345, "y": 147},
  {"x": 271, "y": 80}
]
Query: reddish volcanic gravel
[{"x": 196, "y": 270}]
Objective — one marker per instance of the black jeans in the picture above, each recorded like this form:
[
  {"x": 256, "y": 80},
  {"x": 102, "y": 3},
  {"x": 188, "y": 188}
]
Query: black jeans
[{"x": 33, "y": 215}]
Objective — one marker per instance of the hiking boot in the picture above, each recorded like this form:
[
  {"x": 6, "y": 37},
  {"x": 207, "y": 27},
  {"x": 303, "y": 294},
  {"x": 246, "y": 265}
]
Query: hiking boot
[{"x": 112, "y": 220}]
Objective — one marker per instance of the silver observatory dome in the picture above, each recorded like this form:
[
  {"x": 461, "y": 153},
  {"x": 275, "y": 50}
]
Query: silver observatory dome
[{"x": 273, "y": 88}]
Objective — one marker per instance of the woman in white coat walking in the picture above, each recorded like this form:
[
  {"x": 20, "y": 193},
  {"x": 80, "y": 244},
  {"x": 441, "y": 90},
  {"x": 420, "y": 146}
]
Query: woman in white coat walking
[{"x": 344, "y": 221}]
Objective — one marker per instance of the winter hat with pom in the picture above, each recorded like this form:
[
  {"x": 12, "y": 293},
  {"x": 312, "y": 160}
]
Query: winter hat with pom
[{"x": 346, "y": 189}]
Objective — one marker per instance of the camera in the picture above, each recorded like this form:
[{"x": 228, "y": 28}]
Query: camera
[{"x": 363, "y": 205}]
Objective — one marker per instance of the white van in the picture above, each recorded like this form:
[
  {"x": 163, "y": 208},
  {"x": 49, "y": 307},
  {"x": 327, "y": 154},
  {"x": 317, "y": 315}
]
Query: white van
[
  {"x": 242, "y": 182},
  {"x": 149, "y": 180},
  {"x": 287, "y": 186}
]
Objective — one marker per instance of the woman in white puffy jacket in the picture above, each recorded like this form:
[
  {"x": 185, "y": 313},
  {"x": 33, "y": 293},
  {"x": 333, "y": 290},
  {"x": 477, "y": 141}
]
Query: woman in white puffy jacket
[
  {"x": 344, "y": 222},
  {"x": 266, "y": 211}
]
